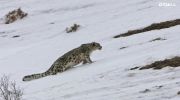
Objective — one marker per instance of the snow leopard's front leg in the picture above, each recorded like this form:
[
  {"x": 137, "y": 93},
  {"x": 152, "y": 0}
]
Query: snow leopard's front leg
[{"x": 87, "y": 59}]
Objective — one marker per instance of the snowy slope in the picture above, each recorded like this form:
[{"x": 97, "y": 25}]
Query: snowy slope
[{"x": 43, "y": 39}]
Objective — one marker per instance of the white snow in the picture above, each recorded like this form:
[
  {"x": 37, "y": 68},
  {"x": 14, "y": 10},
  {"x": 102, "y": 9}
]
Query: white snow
[{"x": 43, "y": 39}]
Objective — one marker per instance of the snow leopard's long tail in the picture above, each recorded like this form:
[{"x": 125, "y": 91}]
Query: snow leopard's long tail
[{"x": 36, "y": 76}]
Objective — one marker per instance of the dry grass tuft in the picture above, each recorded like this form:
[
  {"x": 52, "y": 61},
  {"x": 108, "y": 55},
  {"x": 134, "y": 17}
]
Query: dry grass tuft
[
  {"x": 14, "y": 15},
  {"x": 73, "y": 28}
]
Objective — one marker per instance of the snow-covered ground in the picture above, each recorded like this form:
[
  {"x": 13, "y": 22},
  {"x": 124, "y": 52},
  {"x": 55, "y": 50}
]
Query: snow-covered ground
[{"x": 43, "y": 39}]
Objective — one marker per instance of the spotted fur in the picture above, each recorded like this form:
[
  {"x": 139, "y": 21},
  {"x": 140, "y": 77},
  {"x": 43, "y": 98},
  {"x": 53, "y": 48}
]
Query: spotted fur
[{"x": 68, "y": 60}]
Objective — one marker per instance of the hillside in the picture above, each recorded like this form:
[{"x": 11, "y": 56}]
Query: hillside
[{"x": 42, "y": 39}]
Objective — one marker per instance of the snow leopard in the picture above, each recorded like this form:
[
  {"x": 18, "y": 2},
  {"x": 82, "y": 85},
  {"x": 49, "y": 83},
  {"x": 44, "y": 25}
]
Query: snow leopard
[{"x": 70, "y": 59}]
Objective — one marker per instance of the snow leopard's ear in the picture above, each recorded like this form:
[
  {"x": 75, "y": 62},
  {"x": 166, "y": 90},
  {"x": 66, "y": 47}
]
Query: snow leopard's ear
[{"x": 94, "y": 43}]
